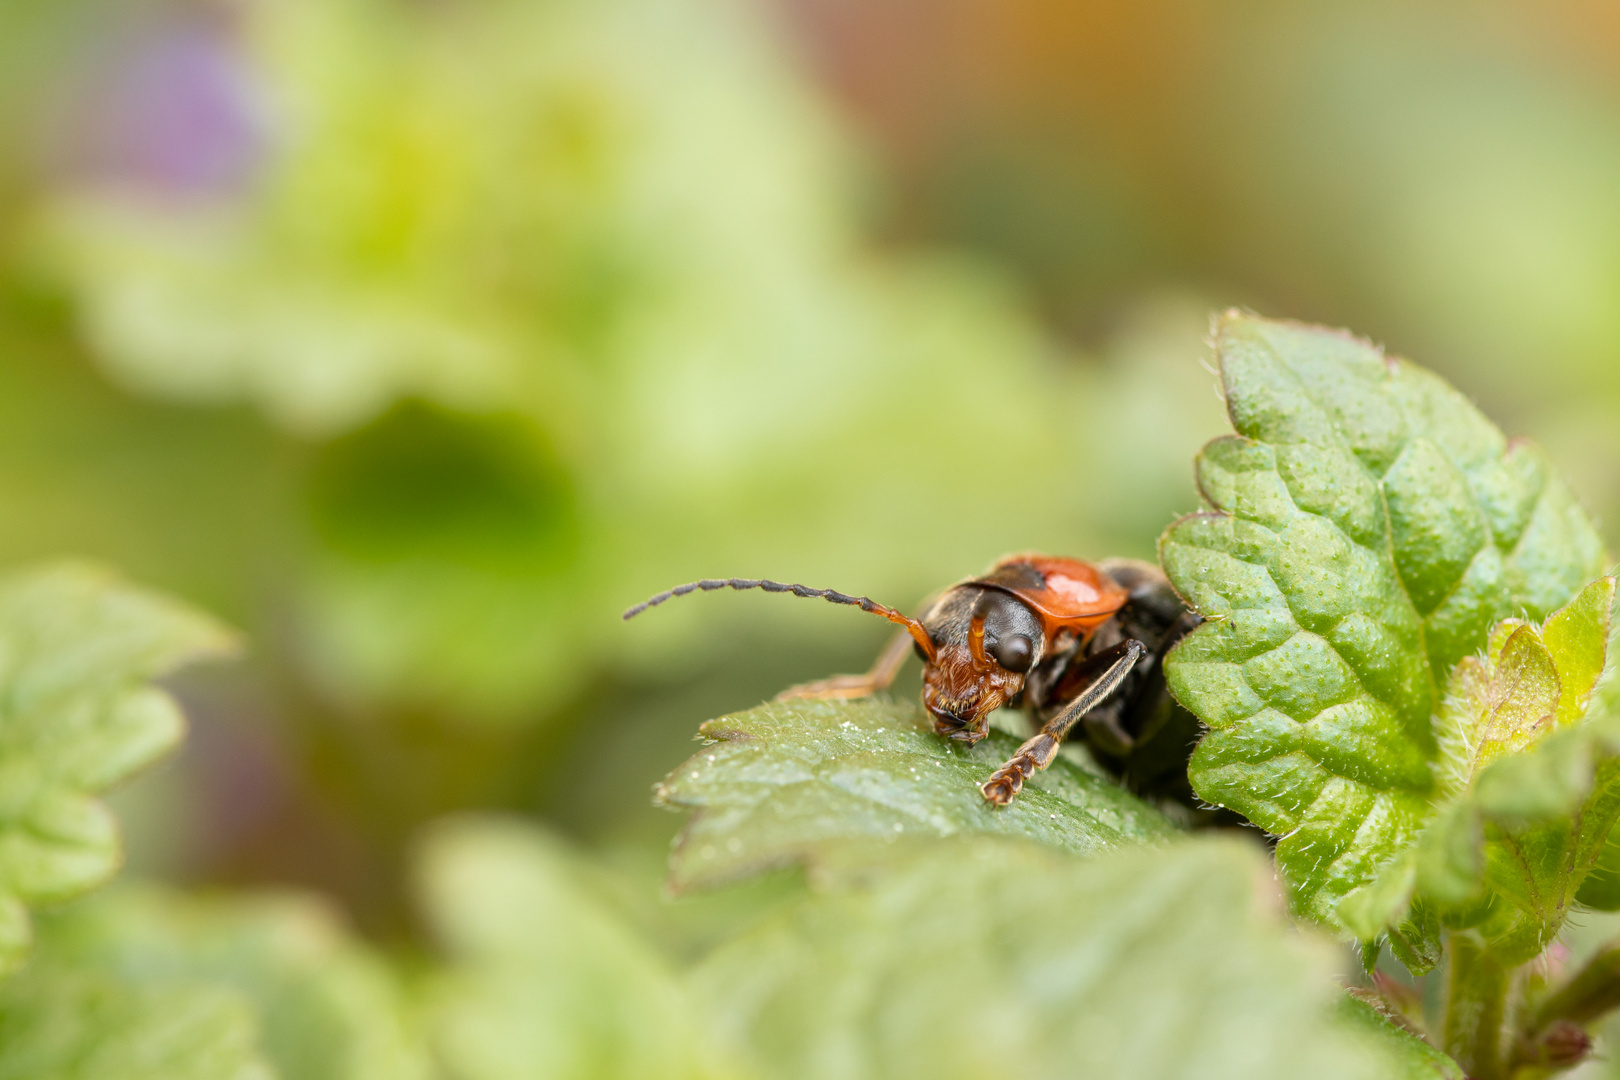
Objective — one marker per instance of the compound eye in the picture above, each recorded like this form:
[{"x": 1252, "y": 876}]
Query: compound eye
[{"x": 1014, "y": 653}]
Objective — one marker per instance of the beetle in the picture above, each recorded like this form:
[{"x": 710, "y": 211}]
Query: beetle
[{"x": 1078, "y": 645}]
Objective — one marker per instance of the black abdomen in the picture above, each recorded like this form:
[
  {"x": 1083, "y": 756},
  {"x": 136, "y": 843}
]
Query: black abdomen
[{"x": 1141, "y": 734}]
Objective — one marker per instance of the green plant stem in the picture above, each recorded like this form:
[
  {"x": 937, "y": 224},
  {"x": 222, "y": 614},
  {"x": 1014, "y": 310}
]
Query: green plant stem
[
  {"x": 1476, "y": 995},
  {"x": 1591, "y": 992}
]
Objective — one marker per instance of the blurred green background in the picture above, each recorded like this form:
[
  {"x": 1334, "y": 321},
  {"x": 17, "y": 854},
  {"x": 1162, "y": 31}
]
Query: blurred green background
[{"x": 419, "y": 338}]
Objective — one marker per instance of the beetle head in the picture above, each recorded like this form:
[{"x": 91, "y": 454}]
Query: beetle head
[{"x": 985, "y": 642}]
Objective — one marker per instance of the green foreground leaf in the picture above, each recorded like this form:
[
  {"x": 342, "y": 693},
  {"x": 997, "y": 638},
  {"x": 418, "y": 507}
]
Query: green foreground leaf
[
  {"x": 323, "y": 1007},
  {"x": 91, "y": 1026},
  {"x": 76, "y": 651},
  {"x": 543, "y": 980},
  {"x": 972, "y": 957},
  {"x": 1415, "y": 1059},
  {"x": 1366, "y": 528},
  {"x": 997, "y": 958},
  {"x": 810, "y": 781}
]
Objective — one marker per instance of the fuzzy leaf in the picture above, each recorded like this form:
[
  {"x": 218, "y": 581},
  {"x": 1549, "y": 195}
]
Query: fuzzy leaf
[
  {"x": 76, "y": 651},
  {"x": 328, "y": 1009},
  {"x": 1415, "y": 1058},
  {"x": 1531, "y": 789},
  {"x": 792, "y": 781},
  {"x": 1512, "y": 703},
  {"x": 543, "y": 980},
  {"x": 1366, "y": 527},
  {"x": 91, "y": 1026},
  {"x": 989, "y": 957},
  {"x": 1601, "y": 887}
]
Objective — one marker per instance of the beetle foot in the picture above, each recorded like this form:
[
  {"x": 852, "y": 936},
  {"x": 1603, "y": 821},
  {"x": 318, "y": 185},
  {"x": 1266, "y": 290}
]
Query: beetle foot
[{"x": 1008, "y": 780}]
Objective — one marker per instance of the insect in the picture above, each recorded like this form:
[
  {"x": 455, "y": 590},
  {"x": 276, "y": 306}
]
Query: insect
[{"x": 1078, "y": 645}]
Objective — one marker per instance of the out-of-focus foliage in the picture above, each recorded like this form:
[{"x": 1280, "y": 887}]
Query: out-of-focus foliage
[
  {"x": 1366, "y": 528},
  {"x": 77, "y": 649},
  {"x": 430, "y": 577},
  {"x": 479, "y": 235},
  {"x": 982, "y": 953},
  {"x": 842, "y": 781},
  {"x": 613, "y": 270},
  {"x": 1412, "y": 1057},
  {"x": 1065, "y": 960},
  {"x": 57, "y": 1023},
  {"x": 141, "y": 981},
  {"x": 1437, "y": 175},
  {"x": 544, "y": 980},
  {"x": 325, "y": 1007},
  {"x": 146, "y": 983}
]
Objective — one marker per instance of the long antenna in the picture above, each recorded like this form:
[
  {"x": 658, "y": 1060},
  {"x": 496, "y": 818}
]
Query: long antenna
[{"x": 864, "y": 603}]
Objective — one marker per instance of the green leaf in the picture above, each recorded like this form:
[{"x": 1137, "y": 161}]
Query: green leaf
[
  {"x": 1530, "y": 681},
  {"x": 1577, "y": 636},
  {"x": 1415, "y": 1058},
  {"x": 1531, "y": 790},
  {"x": 1601, "y": 888},
  {"x": 91, "y": 1026},
  {"x": 1507, "y": 700},
  {"x": 543, "y": 980},
  {"x": 328, "y": 1009},
  {"x": 1366, "y": 527},
  {"x": 76, "y": 651},
  {"x": 991, "y": 957},
  {"x": 446, "y": 577},
  {"x": 793, "y": 781}
]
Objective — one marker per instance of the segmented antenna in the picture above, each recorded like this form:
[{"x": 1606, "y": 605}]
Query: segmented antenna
[{"x": 830, "y": 595}]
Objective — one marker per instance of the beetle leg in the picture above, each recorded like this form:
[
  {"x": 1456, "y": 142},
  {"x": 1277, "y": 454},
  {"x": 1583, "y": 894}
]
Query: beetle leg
[
  {"x": 1039, "y": 751},
  {"x": 888, "y": 665}
]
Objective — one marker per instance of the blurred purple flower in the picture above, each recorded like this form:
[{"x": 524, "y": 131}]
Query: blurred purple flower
[{"x": 171, "y": 111}]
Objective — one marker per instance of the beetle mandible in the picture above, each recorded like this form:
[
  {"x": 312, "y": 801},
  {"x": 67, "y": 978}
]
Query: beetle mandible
[{"x": 1079, "y": 645}]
